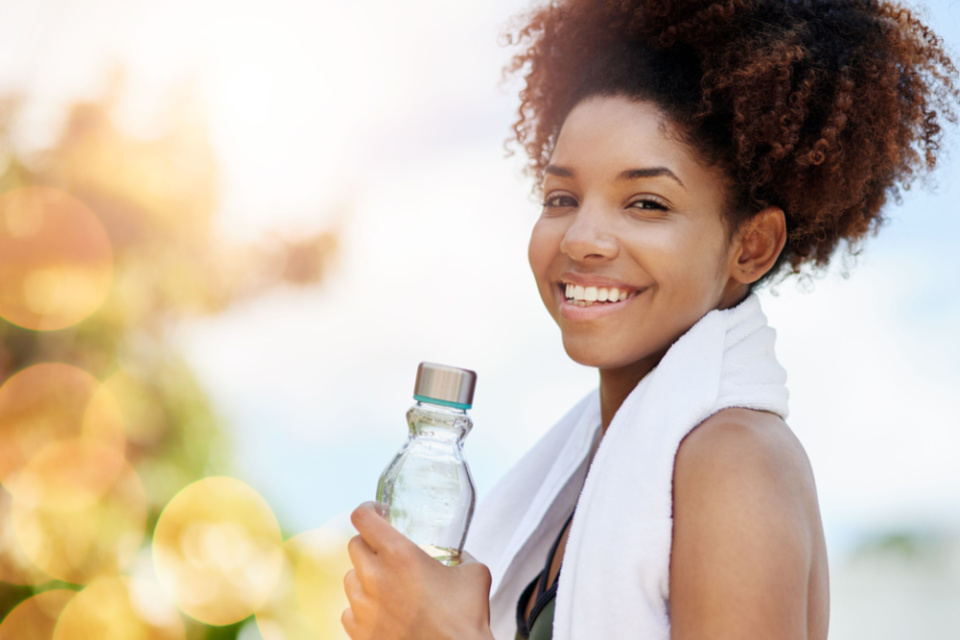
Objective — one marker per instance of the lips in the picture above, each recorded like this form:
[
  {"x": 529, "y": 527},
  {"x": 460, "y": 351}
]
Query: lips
[{"x": 585, "y": 301}]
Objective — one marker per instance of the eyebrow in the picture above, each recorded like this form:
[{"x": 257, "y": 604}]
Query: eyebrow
[
  {"x": 652, "y": 172},
  {"x": 626, "y": 175}
]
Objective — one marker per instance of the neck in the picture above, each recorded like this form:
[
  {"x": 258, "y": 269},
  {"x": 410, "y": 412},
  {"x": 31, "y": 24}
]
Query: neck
[{"x": 617, "y": 383}]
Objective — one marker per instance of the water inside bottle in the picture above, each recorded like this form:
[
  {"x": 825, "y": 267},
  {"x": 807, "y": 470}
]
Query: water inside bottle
[
  {"x": 436, "y": 500},
  {"x": 449, "y": 557}
]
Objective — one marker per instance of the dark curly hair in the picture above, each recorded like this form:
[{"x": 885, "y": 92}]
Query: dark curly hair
[{"x": 824, "y": 108}]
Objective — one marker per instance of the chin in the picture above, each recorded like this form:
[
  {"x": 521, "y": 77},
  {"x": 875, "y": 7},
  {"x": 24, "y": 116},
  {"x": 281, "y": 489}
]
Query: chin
[
  {"x": 612, "y": 356},
  {"x": 592, "y": 356}
]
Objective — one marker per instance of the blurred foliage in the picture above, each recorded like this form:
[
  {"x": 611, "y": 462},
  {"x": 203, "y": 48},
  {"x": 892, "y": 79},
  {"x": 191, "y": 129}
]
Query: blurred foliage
[
  {"x": 157, "y": 199},
  {"x": 922, "y": 548}
]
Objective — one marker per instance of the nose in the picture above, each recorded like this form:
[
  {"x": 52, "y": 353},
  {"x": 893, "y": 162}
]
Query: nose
[{"x": 589, "y": 236}]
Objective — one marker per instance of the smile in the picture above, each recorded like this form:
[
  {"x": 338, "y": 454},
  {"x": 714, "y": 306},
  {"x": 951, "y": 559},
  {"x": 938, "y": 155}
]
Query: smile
[{"x": 590, "y": 296}]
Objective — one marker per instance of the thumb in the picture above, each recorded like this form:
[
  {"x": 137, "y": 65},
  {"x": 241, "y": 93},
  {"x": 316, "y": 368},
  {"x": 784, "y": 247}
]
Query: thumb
[{"x": 480, "y": 571}]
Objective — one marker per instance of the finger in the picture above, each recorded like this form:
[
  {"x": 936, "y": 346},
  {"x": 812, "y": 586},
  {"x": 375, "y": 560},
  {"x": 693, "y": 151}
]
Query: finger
[
  {"x": 478, "y": 571},
  {"x": 362, "y": 556},
  {"x": 379, "y": 508},
  {"x": 376, "y": 531},
  {"x": 350, "y": 624},
  {"x": 361, "y": 605},
  {"x": 353, "y": 588}
]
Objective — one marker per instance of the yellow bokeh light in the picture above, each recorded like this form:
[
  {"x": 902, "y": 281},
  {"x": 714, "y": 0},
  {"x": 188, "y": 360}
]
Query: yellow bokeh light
[
  {"x": 56, "y": 262},
  {"x": 15, "y": 566},
  {"x": 309, "y": 598},
  {"x": 113, "y": 608},
  {"x": 217, "y": 550},
  {"x": 66, "y": 475},
  {"x": 36, "y": 617},
  {"x": 82, "y": 514},
  {"x": 49, "y": 403}
]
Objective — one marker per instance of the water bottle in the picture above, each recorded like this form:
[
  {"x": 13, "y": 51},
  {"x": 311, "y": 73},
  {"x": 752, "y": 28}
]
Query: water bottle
[{"x": 427, "y": 487}]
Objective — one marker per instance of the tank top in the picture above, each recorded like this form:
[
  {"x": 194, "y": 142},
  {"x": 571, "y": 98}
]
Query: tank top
[{"x": 540, "y": 624}]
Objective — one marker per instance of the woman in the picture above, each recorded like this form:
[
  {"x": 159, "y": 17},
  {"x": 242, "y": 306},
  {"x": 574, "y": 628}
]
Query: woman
[{"x": 685, "y": 152}]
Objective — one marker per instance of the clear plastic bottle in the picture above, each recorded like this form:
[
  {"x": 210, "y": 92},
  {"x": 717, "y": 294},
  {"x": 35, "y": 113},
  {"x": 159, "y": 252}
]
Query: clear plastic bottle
[{"x": 427, "y": 487}]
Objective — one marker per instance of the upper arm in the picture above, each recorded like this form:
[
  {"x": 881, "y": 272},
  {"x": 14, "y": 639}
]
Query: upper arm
[{"x": 746, "y": 531}]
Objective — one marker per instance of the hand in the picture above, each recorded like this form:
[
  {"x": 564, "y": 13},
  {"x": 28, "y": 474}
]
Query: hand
[{"x": 398, "y": 592}]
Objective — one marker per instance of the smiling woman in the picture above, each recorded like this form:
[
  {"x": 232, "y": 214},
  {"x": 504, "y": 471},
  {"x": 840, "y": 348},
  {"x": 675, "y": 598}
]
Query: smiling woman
[
  {"x": 685, "y": 151},
  {"x": 616, "y": 214}
]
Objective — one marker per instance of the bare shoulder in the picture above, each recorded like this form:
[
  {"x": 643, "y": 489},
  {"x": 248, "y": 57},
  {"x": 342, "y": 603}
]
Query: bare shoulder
[
  {"x": 748, "y": 556},
  {"x": 746, "y": 446}
]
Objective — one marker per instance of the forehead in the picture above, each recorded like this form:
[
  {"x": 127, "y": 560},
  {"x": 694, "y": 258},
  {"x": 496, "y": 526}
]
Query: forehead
[{"x": 604, "y": 135}]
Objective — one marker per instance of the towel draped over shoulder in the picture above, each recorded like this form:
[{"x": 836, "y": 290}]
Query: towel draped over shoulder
[{"x": 615, "y": 579}]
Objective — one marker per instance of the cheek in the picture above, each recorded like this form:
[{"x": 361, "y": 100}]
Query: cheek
[
  {"x": 544, "y": 246},
  {"x": 684, "y": 259},
  {"x": 707, "y": 270}
]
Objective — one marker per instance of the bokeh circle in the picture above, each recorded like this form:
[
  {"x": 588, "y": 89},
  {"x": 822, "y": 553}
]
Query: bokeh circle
[
  {"x": 117, "y": 608},
  {"x": 53, "y": 402},
  {"x": 309, "y": 597},
  {"x": 56, "y": 261},
  {"x": 80, "y": 511},
  {"x": 217, "y": 550}
]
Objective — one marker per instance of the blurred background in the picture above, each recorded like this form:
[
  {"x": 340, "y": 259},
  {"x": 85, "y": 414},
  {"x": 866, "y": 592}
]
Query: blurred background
[{"x": 231, "y": 231}]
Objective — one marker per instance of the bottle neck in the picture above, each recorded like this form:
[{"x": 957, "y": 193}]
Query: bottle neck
[{"x": 438, "y": 422}]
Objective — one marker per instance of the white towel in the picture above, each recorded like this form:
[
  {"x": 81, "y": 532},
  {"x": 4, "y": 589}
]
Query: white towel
[{"x": 615, "y": 578}]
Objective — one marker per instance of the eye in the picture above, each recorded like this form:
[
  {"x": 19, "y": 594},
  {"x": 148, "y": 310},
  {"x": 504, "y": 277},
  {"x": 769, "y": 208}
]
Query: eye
[
  {"x": 559, "y": 200},
  {"x": 649, "y": 203}
]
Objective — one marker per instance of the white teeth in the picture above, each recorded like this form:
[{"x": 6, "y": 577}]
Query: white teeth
[{"x": 585, "y": 296}]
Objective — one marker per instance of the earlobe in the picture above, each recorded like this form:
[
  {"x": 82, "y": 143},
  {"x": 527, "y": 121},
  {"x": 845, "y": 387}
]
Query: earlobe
[{"x": 761, "y": 239}]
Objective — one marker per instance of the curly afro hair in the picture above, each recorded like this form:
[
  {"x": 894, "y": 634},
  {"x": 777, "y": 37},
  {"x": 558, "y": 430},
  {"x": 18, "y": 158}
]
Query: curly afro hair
[{"x": 824, "y": 108}]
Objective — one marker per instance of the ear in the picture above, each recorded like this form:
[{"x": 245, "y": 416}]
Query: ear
[{"x": 759, "y": 242}]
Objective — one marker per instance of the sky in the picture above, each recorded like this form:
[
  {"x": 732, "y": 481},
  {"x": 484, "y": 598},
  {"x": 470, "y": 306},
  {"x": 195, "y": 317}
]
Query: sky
[{"x": 386, "y": 121}]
